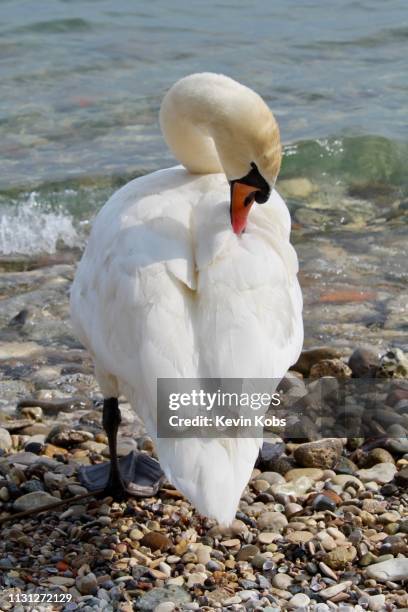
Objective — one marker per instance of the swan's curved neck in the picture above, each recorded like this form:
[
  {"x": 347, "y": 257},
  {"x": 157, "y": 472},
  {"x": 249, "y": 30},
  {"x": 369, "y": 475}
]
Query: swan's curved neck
[{"x": 214, "y": 124}]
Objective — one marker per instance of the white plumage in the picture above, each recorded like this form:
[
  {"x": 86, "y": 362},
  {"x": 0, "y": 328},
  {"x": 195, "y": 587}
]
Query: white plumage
[{"x": 165, "y": 288}]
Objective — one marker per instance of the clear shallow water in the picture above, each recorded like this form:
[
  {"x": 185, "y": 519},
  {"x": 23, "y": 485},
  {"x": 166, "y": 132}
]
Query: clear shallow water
[{"x": 81, "y": 84}]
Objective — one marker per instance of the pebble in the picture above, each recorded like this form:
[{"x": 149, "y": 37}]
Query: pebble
[
  {"x": 87, "y": 585},
  {"x": 312, "y": 473},
  {"x": 376, "y": 603},
  {"x": 311, "y": 356},
  {"x": 401, "y": 477},
  {"x": 327, "y": 500},
  {"x": 196, "y": 578},
  {"x": 267, "y": 537},
  {"x": 378, "y": 455},
  {"x": 273, "y": 478},
  {"x": 334, "y": 590},
  {"x": 272, "y": 521},
  {"x": 392, "y": 569},
  {"x": 156, "y": 541},
  {"x": 339, "y": 557},
  {"x": 296, "y": 488},
  {"x": 323, "y": 453},
  {"x": 5, "y": 440},
  {"x": 344, "y": 479},
  {"x": 299, "y": 537},
  {"x": 156, "y": 596},
  {"x": 364, "y": 363},
  {"x": 380, "y": 473},
  {"x": 330, "y": 367},
  {"x": 282, "y": 581},
  {"x": 36, "y": 499},
  {"x": 247, "y": 552},
  {"x": 299, "y": 601}
]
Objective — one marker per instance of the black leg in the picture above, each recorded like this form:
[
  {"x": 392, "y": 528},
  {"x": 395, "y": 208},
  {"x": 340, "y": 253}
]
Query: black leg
[{"x": 111, "y": 420}]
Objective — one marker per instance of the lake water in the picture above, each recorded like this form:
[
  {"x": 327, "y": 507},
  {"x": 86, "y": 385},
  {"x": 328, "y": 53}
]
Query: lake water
[{"x": 81, "y": 85}]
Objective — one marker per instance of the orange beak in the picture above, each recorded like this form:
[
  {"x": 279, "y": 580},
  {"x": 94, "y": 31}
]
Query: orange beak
[{"x": 242, "y": 198}]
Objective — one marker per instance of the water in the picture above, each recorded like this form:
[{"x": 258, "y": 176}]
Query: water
[{"x": 81, "y": 85}]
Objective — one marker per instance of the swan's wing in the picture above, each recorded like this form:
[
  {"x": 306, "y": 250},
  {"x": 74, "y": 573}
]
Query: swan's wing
[
  {"x": 250, "y": 303},
  {"x": 131, "y": 298}
]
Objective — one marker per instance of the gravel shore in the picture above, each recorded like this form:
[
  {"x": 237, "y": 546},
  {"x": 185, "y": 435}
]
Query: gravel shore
[{"x": 321, "y": 526}]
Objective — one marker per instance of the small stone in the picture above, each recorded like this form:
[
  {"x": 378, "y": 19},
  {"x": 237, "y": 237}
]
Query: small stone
[
  {"x": 292, "y": 509},
  {"x": 166, "y": 606},
  {"x": 196, "y": 578},
  {"x": 87, "y": 585},
  {"x": 267, "y": 537},
  {"x": 334, "y": 590},
  {"x": 261, "y": 485},
  {"x": 299, "y": 601},
  {"x": 299, "y": 537},
  {"x": 330, "y": 367},
  {"x": 378, "y": 455},
  {"x": 346, "y": 466},
  {"x": 295, "y": 488},
  {"x": 36, "y": 499},
  {"x": 299, "y": 187},
  {"x": 273, "y": 477},
  {"x": 310, "y": 357},
  {"x": 339, "y": 557},
  {"x": 259, "y": 560},
  {"x": 312, "y": 473},
  {"x": 394, "y": 364},
  {"x": 282, "y": 581},
  {"x": 247, "y": 552},
  {"x": 65, "y": 437},
  {"x": 4, "y": 494},
  {"x": 393, "y": 544},
  {"x": 61, "y": 581},
  {"x": 327, "y": 541},
  {"x": 156, "y": 540},
  {"x": 136, "y": 534},
  {"x": 327, "y": 500},
  {"x": 392, "y": 569},
  {"x": 380, "y": 473},
  {"x": 203, "y": 553},
  {"x": 174, "y": 593},
  {"x": 5, "y": 440},
  {"x": 344, "y": 480},
  {"x": 272, "y": 521},
  {"x": 323, "y": 453},
  {"x": 367, "y": 559},
  {"x": 364, "y": 363},
  {"x": 376, "y": 603},
  {"x": 401, "y": 477},
  {"x": 234, "y": 543}
]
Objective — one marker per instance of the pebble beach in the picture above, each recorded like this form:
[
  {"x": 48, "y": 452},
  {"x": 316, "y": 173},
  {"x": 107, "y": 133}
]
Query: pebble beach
[{"x": 322, "y": 525}]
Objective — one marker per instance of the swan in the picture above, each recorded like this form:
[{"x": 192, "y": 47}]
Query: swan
[{"x": 185, "y": 276}]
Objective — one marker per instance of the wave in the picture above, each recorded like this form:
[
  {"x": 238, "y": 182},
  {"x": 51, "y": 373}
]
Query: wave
[{"x": 28, "y": 229}]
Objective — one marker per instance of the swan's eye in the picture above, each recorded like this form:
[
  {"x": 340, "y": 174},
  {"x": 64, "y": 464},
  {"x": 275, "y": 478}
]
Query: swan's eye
[{"x": 261, "y": 196}]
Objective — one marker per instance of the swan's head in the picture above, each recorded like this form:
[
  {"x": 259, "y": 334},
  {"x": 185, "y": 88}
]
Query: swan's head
[{"x": 212, "y": 124}]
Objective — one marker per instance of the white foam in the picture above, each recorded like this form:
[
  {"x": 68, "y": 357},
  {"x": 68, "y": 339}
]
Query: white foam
[{"x": 29, "y": 229}]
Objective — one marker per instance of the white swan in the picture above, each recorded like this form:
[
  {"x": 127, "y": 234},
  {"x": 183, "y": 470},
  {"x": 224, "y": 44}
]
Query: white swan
[{"x": 170, "y": 286}]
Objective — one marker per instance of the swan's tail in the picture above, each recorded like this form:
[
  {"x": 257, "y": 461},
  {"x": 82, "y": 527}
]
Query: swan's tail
[{"x": 211, "y": 473}]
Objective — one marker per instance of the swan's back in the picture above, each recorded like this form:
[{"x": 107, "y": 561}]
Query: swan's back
[{"x": 164, "y": 289}]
